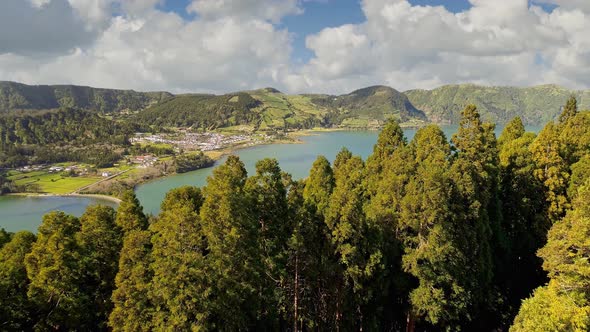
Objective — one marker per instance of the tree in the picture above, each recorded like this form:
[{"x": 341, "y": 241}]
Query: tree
[
  {"x": 53, "y": 267},
  {"x": 552, "y": 170},
  {"x": 432, "y": 249},
  {"x": 5, "y": 237},
  {"x": 563, "y": 305},
  {"x": 178, "y": 288},
  {"x": 474, "y": 189},
  {"x": 232, "y": 256},
  {"x": 569, "y": 110},
  {"x": 360, "y": 258},
  {"x": 318, "y": 189},
  {"x": 130, "y": 213},
  {"x": 132, "y": 307},
  {"x": 267, "y": 202},
  {"x": 16, "y": 311},
  {"x": 524, "y": 216},
  {"x": 99, "y": 241}
]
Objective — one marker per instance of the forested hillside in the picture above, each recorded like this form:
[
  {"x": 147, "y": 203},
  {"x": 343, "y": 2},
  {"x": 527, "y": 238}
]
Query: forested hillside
[
  {"x": 426, "y": 235},
  {"x": 16, "y": 96},
  {"x": 269, "y": 109},
  {"x": 60, "y": 135},
  {"x": 534, "y": 105}
]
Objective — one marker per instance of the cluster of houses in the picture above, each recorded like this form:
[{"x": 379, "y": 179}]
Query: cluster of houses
[
  {"x": 144, "y": 161},
  {"x": 201, "y": 141}
]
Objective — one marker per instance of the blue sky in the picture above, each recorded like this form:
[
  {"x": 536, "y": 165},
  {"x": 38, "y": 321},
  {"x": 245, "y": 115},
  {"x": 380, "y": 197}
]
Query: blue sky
[
  {"x": 320, "y": 14},
  {"x": 231, "y": 45}
]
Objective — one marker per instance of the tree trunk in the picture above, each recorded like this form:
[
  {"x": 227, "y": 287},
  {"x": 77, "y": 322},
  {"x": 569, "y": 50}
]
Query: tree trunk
[
  {"x": 410, "y": 322},
  {"x": 296, "y": 300}
]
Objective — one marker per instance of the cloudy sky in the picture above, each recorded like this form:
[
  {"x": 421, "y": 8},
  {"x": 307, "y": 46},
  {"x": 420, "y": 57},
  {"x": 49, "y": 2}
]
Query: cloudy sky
[{"x": 331, "y": 46}]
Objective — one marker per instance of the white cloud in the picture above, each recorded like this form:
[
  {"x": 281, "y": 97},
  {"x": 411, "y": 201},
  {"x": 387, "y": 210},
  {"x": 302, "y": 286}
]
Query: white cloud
[
  {"x": 237, "y": 44},
  {"x": 494, "y": 42},
  {"x": 161, "y": 51}
]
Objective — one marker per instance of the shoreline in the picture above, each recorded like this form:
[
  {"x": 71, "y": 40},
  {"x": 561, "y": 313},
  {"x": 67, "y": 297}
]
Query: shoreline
[{"x": 98, "y": 196}]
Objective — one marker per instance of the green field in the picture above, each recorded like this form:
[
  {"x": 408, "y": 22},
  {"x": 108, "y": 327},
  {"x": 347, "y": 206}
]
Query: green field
[{"x": 52, "y": 183}]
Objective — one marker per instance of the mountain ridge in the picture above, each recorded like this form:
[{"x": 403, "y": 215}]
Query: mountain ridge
[{"x": 269, "y": 108}]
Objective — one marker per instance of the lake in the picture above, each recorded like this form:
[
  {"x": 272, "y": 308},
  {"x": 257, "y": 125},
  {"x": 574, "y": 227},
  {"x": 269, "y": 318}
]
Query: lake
[{"x": 18, "y": 213}]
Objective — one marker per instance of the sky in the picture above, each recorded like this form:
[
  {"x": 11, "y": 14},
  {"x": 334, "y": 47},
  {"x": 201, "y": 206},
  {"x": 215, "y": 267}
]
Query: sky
[{"x": 296, "y": 46}]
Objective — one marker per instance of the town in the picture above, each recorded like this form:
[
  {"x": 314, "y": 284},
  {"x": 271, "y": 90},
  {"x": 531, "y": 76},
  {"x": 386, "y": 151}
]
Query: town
[{"x": 208, "y": 141}]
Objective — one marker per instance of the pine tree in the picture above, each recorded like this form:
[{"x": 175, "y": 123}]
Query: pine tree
[
  {"x": 53, "y": 267},
  {"x": 318, "y": 189},
  {"x": 16, "y": 311},
  {"x": 99, "y": 241},
  {"x": 524, "y": 217},
  {"x": 267, "y": 200},
  {"x": 132, "y": 307},
  {"x": 432, "y": 247},
  {"x": 5, "y": 237},
  {"x": 130, "y": 213},
  {"x": 552, "y": 170},
  {"x": 569, "y": 110},
  {"x": 473, "y": 183},
  {"x": 564, "y": 304},
  {"x": 178, "y": 288},
  {"x": 360, "y": 258},
  {"x": 232, "y": 263}
]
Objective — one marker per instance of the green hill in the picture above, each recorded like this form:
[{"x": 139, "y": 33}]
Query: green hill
[
  {"x": 535, "y": 105},
  {"x": 17, "y": 96},
  {"x": 270, "y": 109}
]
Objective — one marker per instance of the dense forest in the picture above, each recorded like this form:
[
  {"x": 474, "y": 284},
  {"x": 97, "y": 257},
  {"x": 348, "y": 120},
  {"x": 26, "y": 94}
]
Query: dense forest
[
  {"x": 475, "y": 234},
  {"x": 17, "y": 96},
  {"x": 61, "y": 135}
]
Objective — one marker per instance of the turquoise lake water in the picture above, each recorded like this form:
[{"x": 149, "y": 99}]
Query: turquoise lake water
[{"x": 25, "y": 213}]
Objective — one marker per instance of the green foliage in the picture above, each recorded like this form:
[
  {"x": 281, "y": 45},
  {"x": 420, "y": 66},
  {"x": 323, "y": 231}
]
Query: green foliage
[
  {"x": 190, "y": 162},
  {"x": 178, "y": 287},
  {"x": 563, "y": 304},
  {"x": 551, "y": 169},
  {"x": 99, "y": 241},
  {"x": 54, "y": 272},
  {"x": 62, "y": 135},
  {"x": 432, "y": 247},
  {"x": 133, "y": 308},
  {"x": 534, "y": 105},
  {"x": 569, "y": 110},
  {"x": 425, "y": 235},
  {"x": 16, "y": 96},
  {"x": 16, "y": 311}
]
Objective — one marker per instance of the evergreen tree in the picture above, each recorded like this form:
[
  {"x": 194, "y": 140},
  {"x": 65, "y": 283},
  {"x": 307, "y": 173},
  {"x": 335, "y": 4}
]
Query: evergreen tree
[
  {"x": 318, "y": 189},
  {"x": 16, "y": 311},
  {"x": 474, "y": 183},
  {"x": 563, "y": 305},
  {"x": 569, "y": 110},
  {"x": 580, "y": 173},
  {"x": 267, "y": 200},
  {"x": 178, "y": 289},
  {"x": 575, "y": 137},
  {"x": 53, "y": 267},
  {"x": 130, "y": 213},
  {"x": 132, "y": 309},
  {"x": 5, "y": 237},
  {"x": 99, "y": 241},
  {"x": 232, "y": 263},
  {"x": 524, "y": 217},
  {"x": 360, "y": 258},
  {"x": 432, "y": 247},
  {"x": 552, "y": 170}
]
